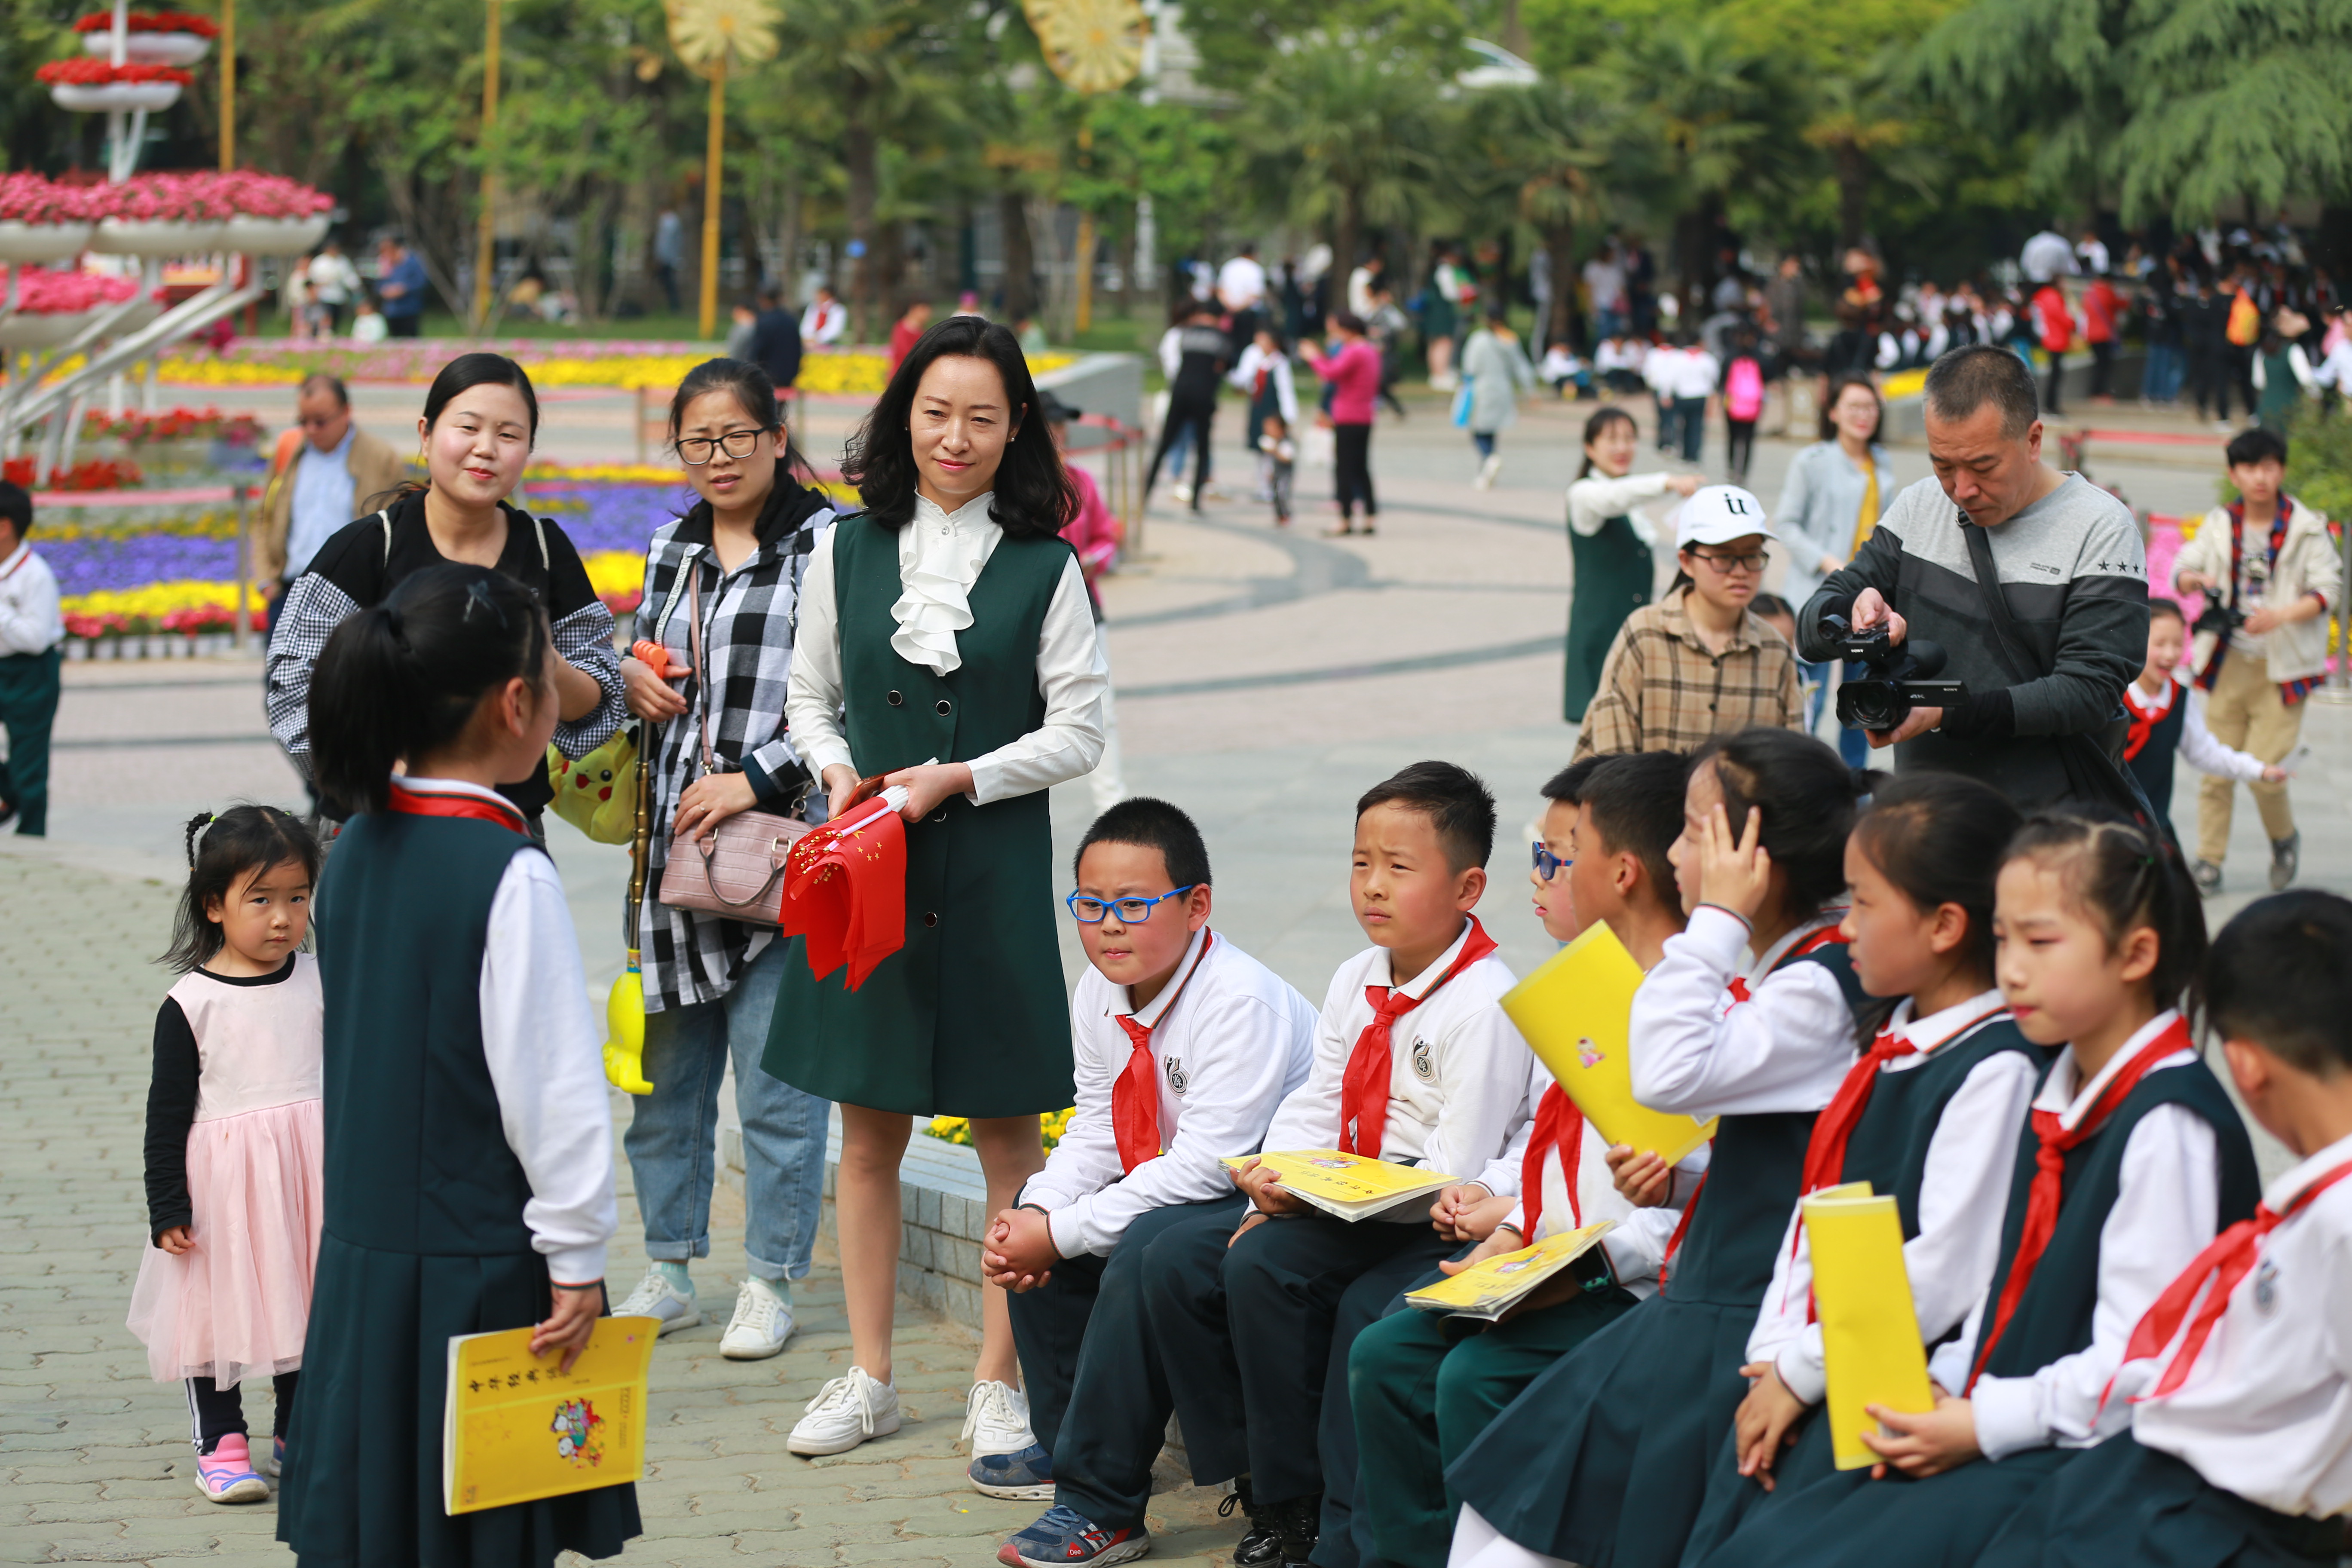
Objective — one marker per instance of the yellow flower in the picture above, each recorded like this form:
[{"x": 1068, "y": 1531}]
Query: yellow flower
[{"x": 157, "y": 599}]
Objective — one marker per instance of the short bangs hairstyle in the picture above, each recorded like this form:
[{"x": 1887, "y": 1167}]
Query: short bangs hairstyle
[
  {"x": 1459, "y": 806},
  {"x": 1035, "y": 497},
  {"x": 1150, "y": 823}
]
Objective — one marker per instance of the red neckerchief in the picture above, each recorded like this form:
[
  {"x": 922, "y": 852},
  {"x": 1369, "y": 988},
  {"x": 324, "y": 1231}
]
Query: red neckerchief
[
  {"x": 1135, "y": 1094},
  {"x": 1559, "y": 1125},
  {"x": 1813, "y": 943},
  {"x": 2225, "y": 1262},
  {"x": 1364, "y": 1087},
  {"x": 2055, "y": 1141},
  {"x": 1739, "y": 993},
  {"x": 1833, "y": 1129},
  {"x": 2145, "y": 719},
  {"x": 412, "y": 801}
]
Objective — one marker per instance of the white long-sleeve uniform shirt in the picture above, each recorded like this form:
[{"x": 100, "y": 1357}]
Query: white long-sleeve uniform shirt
[
  {"x": 1963, "y": 1190},
  {"x": 2164, "y": 1215},
  {"x": 1277, "y": 370},
  {"x": 2199, "y": 749},
  {"x": 1593, "y": 500},
  {"x": 1457, "y": 1073},
  {"x": 1227, "y": 1048},
  {"x": 1694, "y": 1051},
  {"x": 545, "y": 1053},
  {"x": 941, "y": 556},
  {"x": 1638, "y": 1246},
  {"x": 30, "y": 619},
  {"x": 2266, "y": 1412}
]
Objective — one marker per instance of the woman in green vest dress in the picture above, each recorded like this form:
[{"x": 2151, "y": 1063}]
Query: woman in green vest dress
[
  {"x": 469, "y": 1129},
  {"x": 1610, "y": 548},
  {"x": 948, "y": 646}
]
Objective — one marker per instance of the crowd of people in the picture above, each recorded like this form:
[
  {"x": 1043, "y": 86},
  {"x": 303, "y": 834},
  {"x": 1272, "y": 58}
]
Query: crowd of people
[{"x": 1974, "y": 985}]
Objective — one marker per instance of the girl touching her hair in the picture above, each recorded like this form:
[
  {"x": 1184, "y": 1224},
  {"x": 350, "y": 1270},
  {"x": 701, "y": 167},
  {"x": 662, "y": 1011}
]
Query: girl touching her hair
[
  {"x": 475, "y": 439},
  {"x": 468, "y": 1132}
]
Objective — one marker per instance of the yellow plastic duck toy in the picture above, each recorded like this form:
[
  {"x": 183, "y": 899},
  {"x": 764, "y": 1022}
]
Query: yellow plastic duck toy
[{"x": 624, "y": 1018}]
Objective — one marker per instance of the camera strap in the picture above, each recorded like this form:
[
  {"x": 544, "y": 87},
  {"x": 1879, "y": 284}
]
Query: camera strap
[{"x": 2092, "y": 771}]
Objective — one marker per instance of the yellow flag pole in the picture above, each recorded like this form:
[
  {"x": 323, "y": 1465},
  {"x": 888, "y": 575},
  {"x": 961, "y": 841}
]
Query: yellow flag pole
[
  {"x": 710, "y": 196},
  {"x": 486, "y": 251},
  {"x": 228, "y": 85},
  {"x": 1085, "y": 310}
]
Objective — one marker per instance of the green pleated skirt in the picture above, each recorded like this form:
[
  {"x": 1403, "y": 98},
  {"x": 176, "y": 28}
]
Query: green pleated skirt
[
  {"x": 363, "y": 1483},
  {"x": 1603, "y": 1459},
  {"x": 2121, "y": 1502}
]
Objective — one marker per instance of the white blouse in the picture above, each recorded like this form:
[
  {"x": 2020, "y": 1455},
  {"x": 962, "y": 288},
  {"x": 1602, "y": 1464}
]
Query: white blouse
[
  {"x": 1596, "y": 497},
  {"x": 941, "y": 556}
]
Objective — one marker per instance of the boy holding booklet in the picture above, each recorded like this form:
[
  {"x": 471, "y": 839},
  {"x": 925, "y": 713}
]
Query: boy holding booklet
[
  {"x": 1184, "y": 1046},
  {"x": 1424, "y": 1383},
  {"x": 2237, "y": 1379},
  {"x": 1415, "y": 1065}
]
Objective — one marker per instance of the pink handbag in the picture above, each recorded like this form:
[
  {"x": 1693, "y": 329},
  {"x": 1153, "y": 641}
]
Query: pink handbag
[{"x": 736, "y": 870}]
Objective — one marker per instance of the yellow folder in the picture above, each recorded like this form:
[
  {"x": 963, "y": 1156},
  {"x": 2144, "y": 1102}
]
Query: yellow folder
[
  {"x": 1350, "y": 1186},
  {"x": 1492, "y": 1287},
  {"x": 1574, "y": 1012},
  {"x": 516, "y": 1429},
  {"x": 1870, "y": 1329}
]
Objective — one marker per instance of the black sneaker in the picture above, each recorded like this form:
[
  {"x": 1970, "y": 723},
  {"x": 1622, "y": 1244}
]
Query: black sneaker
[
  {"x": 2286, "y": 858},
  {"x": 1300, "y": 1520}
]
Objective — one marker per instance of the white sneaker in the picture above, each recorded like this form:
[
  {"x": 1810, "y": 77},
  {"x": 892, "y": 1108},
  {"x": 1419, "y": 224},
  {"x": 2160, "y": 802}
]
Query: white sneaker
[
  {"x": 1488, "y": 469},
  {"x": 1180, "y": 494},
  {"x": 762, "y": 1323},
  {"x": 656, "y": 1296},
  {"x": 844, "y": 1413},
  {"x": 996, "y": 1419}
]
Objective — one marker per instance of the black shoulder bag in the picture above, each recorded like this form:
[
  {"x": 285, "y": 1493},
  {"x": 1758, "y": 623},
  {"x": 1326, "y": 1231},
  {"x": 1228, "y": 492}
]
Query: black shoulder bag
[{"x": 2092, "y": 774}]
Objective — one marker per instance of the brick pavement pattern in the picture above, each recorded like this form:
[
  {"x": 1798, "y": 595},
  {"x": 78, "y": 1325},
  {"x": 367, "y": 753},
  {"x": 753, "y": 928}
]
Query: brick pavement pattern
[{"x": 95, "y": 1464}]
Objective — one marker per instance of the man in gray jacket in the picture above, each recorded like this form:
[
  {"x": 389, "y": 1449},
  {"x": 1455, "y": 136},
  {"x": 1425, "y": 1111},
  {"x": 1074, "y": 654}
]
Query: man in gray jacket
[{"x": 2068, "y": 559}]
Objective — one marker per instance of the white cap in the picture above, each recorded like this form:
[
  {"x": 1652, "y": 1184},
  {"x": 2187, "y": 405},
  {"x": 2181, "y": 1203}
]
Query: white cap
[{"x": 1717, "y": 514}]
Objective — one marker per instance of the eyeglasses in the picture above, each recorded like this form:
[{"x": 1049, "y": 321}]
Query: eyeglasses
[
  {"x": 1130, "y": 911},
  {"x": 1549, "y": 864},
  {"x": 696, "y": 450},
  {"x": 1724, "y": 565}
]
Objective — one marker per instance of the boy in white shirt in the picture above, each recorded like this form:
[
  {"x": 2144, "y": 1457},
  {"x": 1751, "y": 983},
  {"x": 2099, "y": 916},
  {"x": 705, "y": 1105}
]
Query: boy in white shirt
[
  {"x": 2239, "y": 1380},
  {"x": 1184, "y": 1045},
  {"x": 1423, "y": 1385},
  {"x": 1415, "y": 1064},
  {"x": 32, "y": 632}
]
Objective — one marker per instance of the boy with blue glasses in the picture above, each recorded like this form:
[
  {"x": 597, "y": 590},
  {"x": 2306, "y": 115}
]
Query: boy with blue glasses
[{"x": 1184, "y": 1045}]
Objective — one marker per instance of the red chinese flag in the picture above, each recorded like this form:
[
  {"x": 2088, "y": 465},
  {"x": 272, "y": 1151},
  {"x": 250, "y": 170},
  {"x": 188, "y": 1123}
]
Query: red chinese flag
[{"x": 845, "y": 890}]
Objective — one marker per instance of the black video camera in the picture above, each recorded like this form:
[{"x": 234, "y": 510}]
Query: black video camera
[{"x": 1893, "y": 678}]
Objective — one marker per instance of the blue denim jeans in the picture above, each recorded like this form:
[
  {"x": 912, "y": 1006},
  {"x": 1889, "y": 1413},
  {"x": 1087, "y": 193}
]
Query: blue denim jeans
[{"x": 672, "y": 1141}]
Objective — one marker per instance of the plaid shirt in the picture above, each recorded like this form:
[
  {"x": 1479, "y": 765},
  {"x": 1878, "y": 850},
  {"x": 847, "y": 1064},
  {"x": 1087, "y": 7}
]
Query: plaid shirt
[
  {"x": 749, "y": 618},
  {"x": 1662, "y": 691}
]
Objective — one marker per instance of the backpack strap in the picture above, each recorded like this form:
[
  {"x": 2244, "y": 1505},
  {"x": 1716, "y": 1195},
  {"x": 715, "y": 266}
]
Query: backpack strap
[
  {"x": 384, "y": 516},
  {"x": 539, "y": 528}
]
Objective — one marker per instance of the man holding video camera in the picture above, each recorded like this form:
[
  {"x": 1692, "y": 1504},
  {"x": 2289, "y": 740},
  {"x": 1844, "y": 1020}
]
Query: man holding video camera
[{"x": 2022, "y": 690}]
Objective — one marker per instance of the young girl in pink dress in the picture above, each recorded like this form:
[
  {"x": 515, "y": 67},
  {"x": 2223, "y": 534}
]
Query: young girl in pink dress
[{"x": 233, "y": 1139}]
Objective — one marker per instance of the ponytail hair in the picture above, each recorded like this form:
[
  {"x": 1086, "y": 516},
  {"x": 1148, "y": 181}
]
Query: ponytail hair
[
  {"x": 1938, "y": 838},
  {"x": 404, "y": 678},
  {"x": 2125, "y": 876},
  {"x": 1808, "y": 796},
  {"x": 1602, "y": 417},
  {"x": 239, "y": 844}
]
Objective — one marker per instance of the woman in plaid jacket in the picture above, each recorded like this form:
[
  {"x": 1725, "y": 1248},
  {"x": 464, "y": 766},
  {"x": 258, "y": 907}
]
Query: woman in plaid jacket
[{"x": 711, "y": 983}]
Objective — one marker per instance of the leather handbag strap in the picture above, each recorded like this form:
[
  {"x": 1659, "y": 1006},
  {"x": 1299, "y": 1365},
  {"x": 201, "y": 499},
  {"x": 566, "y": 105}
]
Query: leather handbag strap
[{"x": 701, "y": 670}]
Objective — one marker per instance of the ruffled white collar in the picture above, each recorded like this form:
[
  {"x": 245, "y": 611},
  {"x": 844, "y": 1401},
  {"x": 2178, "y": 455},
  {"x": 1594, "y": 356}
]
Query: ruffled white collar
[{"x": 941, "y": 555}]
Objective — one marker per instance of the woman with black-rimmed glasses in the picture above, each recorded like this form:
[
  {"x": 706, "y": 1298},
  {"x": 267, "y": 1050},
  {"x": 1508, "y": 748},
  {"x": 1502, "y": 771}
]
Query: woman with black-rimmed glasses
[{"x": 733, "y": 564}]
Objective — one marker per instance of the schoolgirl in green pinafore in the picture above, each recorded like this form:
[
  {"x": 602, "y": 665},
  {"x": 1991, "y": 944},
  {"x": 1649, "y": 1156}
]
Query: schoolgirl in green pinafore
[
  {"x": 1614, "y": 567},
  {"x": 468, "y": 1133}
]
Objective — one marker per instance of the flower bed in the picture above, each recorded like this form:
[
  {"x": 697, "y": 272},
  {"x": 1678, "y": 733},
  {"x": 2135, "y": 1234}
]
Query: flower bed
[
  {"x": 206, "y": 424},
  {"x": 551, "y": 362},
  {"x": 199, "y": 197},
  {"x": 88, "y": 70},
  {"x": 957, "y": 1129},
  {"x": 30, "y": 198},
  {"x": 97, "y": 474},
  {"x": 151, "y": 22},
  {"x": 41, "y": 293}
]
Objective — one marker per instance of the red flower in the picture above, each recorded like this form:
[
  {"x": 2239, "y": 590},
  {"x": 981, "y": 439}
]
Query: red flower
[{"x": 88, "y": 70}]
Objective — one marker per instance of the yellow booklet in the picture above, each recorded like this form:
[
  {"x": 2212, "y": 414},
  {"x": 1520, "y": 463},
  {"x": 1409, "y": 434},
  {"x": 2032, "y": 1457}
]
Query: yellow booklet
[
  {"x": 517, "y": 1430},
  {"x": 1497, "y": 1285},
  {"x": 1870, "y": 1329},
  {"x": 1574, "y": 1013},
  {"x": 1348, "y": 1185}
]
